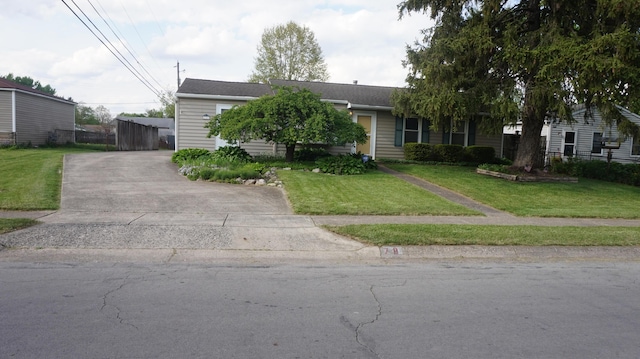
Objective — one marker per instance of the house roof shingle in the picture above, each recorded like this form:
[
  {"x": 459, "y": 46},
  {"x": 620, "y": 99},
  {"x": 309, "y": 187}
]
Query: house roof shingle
[
  {"x": 223, "y": 88},
  {"x": 358, "y": 95},
  {"x": 6, "y": 84}
]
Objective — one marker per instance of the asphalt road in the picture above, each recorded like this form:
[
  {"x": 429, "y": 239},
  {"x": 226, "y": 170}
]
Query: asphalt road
[{"x": 456, "y": 309}]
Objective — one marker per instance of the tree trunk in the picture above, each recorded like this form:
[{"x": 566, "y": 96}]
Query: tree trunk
[
  {"x": 529, "y": 147},
  {"x": 532, "y": 121},
  {"x": 289, "y": 152}
]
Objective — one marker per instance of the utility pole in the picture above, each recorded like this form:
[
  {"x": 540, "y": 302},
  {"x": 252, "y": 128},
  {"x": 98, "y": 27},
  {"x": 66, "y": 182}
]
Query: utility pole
[{"x": 178, "y": 73}]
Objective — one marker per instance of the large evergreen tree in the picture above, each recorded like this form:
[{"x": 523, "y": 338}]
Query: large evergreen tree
[
  {"x": 526, "y": 60},
  {"x": 289, "y": 52}
]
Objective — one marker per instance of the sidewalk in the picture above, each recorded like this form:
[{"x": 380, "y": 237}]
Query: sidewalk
[{"x": 211, "y": 232}]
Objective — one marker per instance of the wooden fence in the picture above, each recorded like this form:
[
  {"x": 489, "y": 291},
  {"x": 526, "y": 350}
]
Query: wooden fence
[{"x": 131, "y": 136}]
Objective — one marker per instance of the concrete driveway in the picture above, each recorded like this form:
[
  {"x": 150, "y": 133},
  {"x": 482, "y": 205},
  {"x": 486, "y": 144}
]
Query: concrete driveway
[{"x": 138, "y": 200}]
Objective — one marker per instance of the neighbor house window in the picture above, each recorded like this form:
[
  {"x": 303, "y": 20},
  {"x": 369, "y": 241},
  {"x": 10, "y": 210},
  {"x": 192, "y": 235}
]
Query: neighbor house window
[
  {"x": 569, "y": 143},
  {"x": 411, "y": 130},
  {"x": 596, "y": 146},
  {"x": 635, "y": 147}
]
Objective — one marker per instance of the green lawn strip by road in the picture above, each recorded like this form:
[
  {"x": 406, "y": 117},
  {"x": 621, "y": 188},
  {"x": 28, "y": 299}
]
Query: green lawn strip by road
[
  {"x": 586, "y": 199},
  {"x": 373, "y": 193},
  {"x": 490, "y": 235},
  {"x": 13, "y": 224},
  {"x": 31, "y": 178}
]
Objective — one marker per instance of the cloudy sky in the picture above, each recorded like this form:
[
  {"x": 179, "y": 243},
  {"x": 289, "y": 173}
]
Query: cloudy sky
[{"x": 212, "y": 39}]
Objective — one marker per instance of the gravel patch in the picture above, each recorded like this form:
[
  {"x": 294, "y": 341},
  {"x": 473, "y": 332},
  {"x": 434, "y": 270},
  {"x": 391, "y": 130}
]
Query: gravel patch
[{"x": 118, "y": 236}]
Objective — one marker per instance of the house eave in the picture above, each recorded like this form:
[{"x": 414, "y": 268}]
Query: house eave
[
  {"x": 354, "y": 106},
  {"x": 215, "y": 97},
  {"x": 53, "y": 98}
]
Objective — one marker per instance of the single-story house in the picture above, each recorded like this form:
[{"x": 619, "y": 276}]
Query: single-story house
[
  {"x": 200, "y": 100},
  {"x": 30, "y": 116},
  {"x": 587, "y": 137}
]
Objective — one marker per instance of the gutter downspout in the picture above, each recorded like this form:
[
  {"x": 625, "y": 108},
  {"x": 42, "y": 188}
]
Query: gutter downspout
[{"x": 13, "y": 111}]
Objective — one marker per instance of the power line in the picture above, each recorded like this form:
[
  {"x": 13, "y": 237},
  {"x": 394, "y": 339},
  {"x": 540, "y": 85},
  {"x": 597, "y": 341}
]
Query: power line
[
  {"x": 123, "y": 43},
  {"x": 116, "y": 49},
  {"x": 138, "y": 76}
]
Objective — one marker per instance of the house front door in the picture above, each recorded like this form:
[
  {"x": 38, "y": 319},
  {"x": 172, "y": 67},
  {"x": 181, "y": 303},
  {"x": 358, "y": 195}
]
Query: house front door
[{"x": 365, "y": 148}]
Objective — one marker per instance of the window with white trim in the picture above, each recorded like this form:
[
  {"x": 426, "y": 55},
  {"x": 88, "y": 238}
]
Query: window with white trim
[
  {"x": 596, "y": 146},
  {"x": 411, "y": 130}
]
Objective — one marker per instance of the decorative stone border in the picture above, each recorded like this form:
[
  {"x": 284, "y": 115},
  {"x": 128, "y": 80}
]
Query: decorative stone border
[{"x": 519, "y": 178}]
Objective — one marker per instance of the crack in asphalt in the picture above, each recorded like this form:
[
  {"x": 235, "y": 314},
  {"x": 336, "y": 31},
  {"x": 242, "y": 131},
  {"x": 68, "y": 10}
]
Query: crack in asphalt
[
  {"x": 360, "y": 340},
  {"x": 118, "y": 310}
]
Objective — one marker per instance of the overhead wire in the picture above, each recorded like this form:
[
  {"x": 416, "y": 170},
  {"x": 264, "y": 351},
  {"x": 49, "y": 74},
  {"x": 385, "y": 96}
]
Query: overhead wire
[
  {"x": 122, "y": 60},
  {"x": 121, "y": 41}
]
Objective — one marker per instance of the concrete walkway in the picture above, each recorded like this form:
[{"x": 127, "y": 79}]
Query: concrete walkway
[{"x": 134, "y": 205}]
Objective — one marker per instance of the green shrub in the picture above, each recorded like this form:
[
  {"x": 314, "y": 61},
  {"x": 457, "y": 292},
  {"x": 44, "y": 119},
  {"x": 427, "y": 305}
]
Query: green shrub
[
  {"x": 448, "y": 153},
  {"x": 206, "y": 173},
  {"x": 418, "y": 152},
  {"x": 310, "y": 154},
  {"x": 231, "y": 154},
  {"x": 188, "y": 154},
  {"x": 480, "y": 154},
  {"x": 342, "y": 165}
]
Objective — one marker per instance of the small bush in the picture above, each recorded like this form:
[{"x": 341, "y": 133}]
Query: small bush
[
  {"x": 448, "y": 153},
  {"x": 206, "y": 173},
  {"x": 231, "y": 154},
  {"x": 418, "y": 152},
  {"x": 342, "y": 165},
  {"x": 480, "y": 154},
  {"x": 188, "y": 154}
]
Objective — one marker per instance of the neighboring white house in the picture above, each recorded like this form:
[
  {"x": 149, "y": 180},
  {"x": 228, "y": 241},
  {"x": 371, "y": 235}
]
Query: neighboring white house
[{"x": 586, "y": 138}]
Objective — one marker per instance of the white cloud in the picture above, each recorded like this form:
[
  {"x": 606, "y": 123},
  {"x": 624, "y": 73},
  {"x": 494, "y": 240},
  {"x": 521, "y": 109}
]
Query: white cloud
[{"x": 212, "y": 39}]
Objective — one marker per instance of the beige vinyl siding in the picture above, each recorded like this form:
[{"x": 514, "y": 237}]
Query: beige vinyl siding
[
  {"x": 36, "y": 116},
  {"x": 190, "y": 130},
  {"x": 385, "y": 137},
  {"x": 494, "y": 141},
  {"x": 6, "y": 111}
]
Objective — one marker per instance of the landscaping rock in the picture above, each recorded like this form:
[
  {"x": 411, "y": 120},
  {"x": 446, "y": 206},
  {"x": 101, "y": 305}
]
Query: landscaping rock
[{"x": 316, "y": 170}]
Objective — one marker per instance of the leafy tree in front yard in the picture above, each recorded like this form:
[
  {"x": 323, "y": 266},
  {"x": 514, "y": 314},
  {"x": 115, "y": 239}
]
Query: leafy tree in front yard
[
  {"x": 290, "y": 117},
  {"x": 527, "y": 60}
]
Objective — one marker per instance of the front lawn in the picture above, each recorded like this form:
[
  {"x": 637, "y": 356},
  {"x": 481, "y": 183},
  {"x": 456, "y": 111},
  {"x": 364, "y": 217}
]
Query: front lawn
[
  {"x": 31, "y": 178},
  {"x": 13, "y": 224},
  {"x": 491, "y": 235},
  {"x": 373, "y": 193},
  {"x": 586, "y": 199}
]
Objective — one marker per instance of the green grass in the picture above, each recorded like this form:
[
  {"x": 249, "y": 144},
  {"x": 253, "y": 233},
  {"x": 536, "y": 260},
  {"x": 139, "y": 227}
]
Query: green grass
[
  {"x": 373, "y": 193},
  {"x": 491, "y": 235},
  {"x": 13, "y": 224},
  {"x": 586, "y": 199},
  {"x": 31, "y": 178}
]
